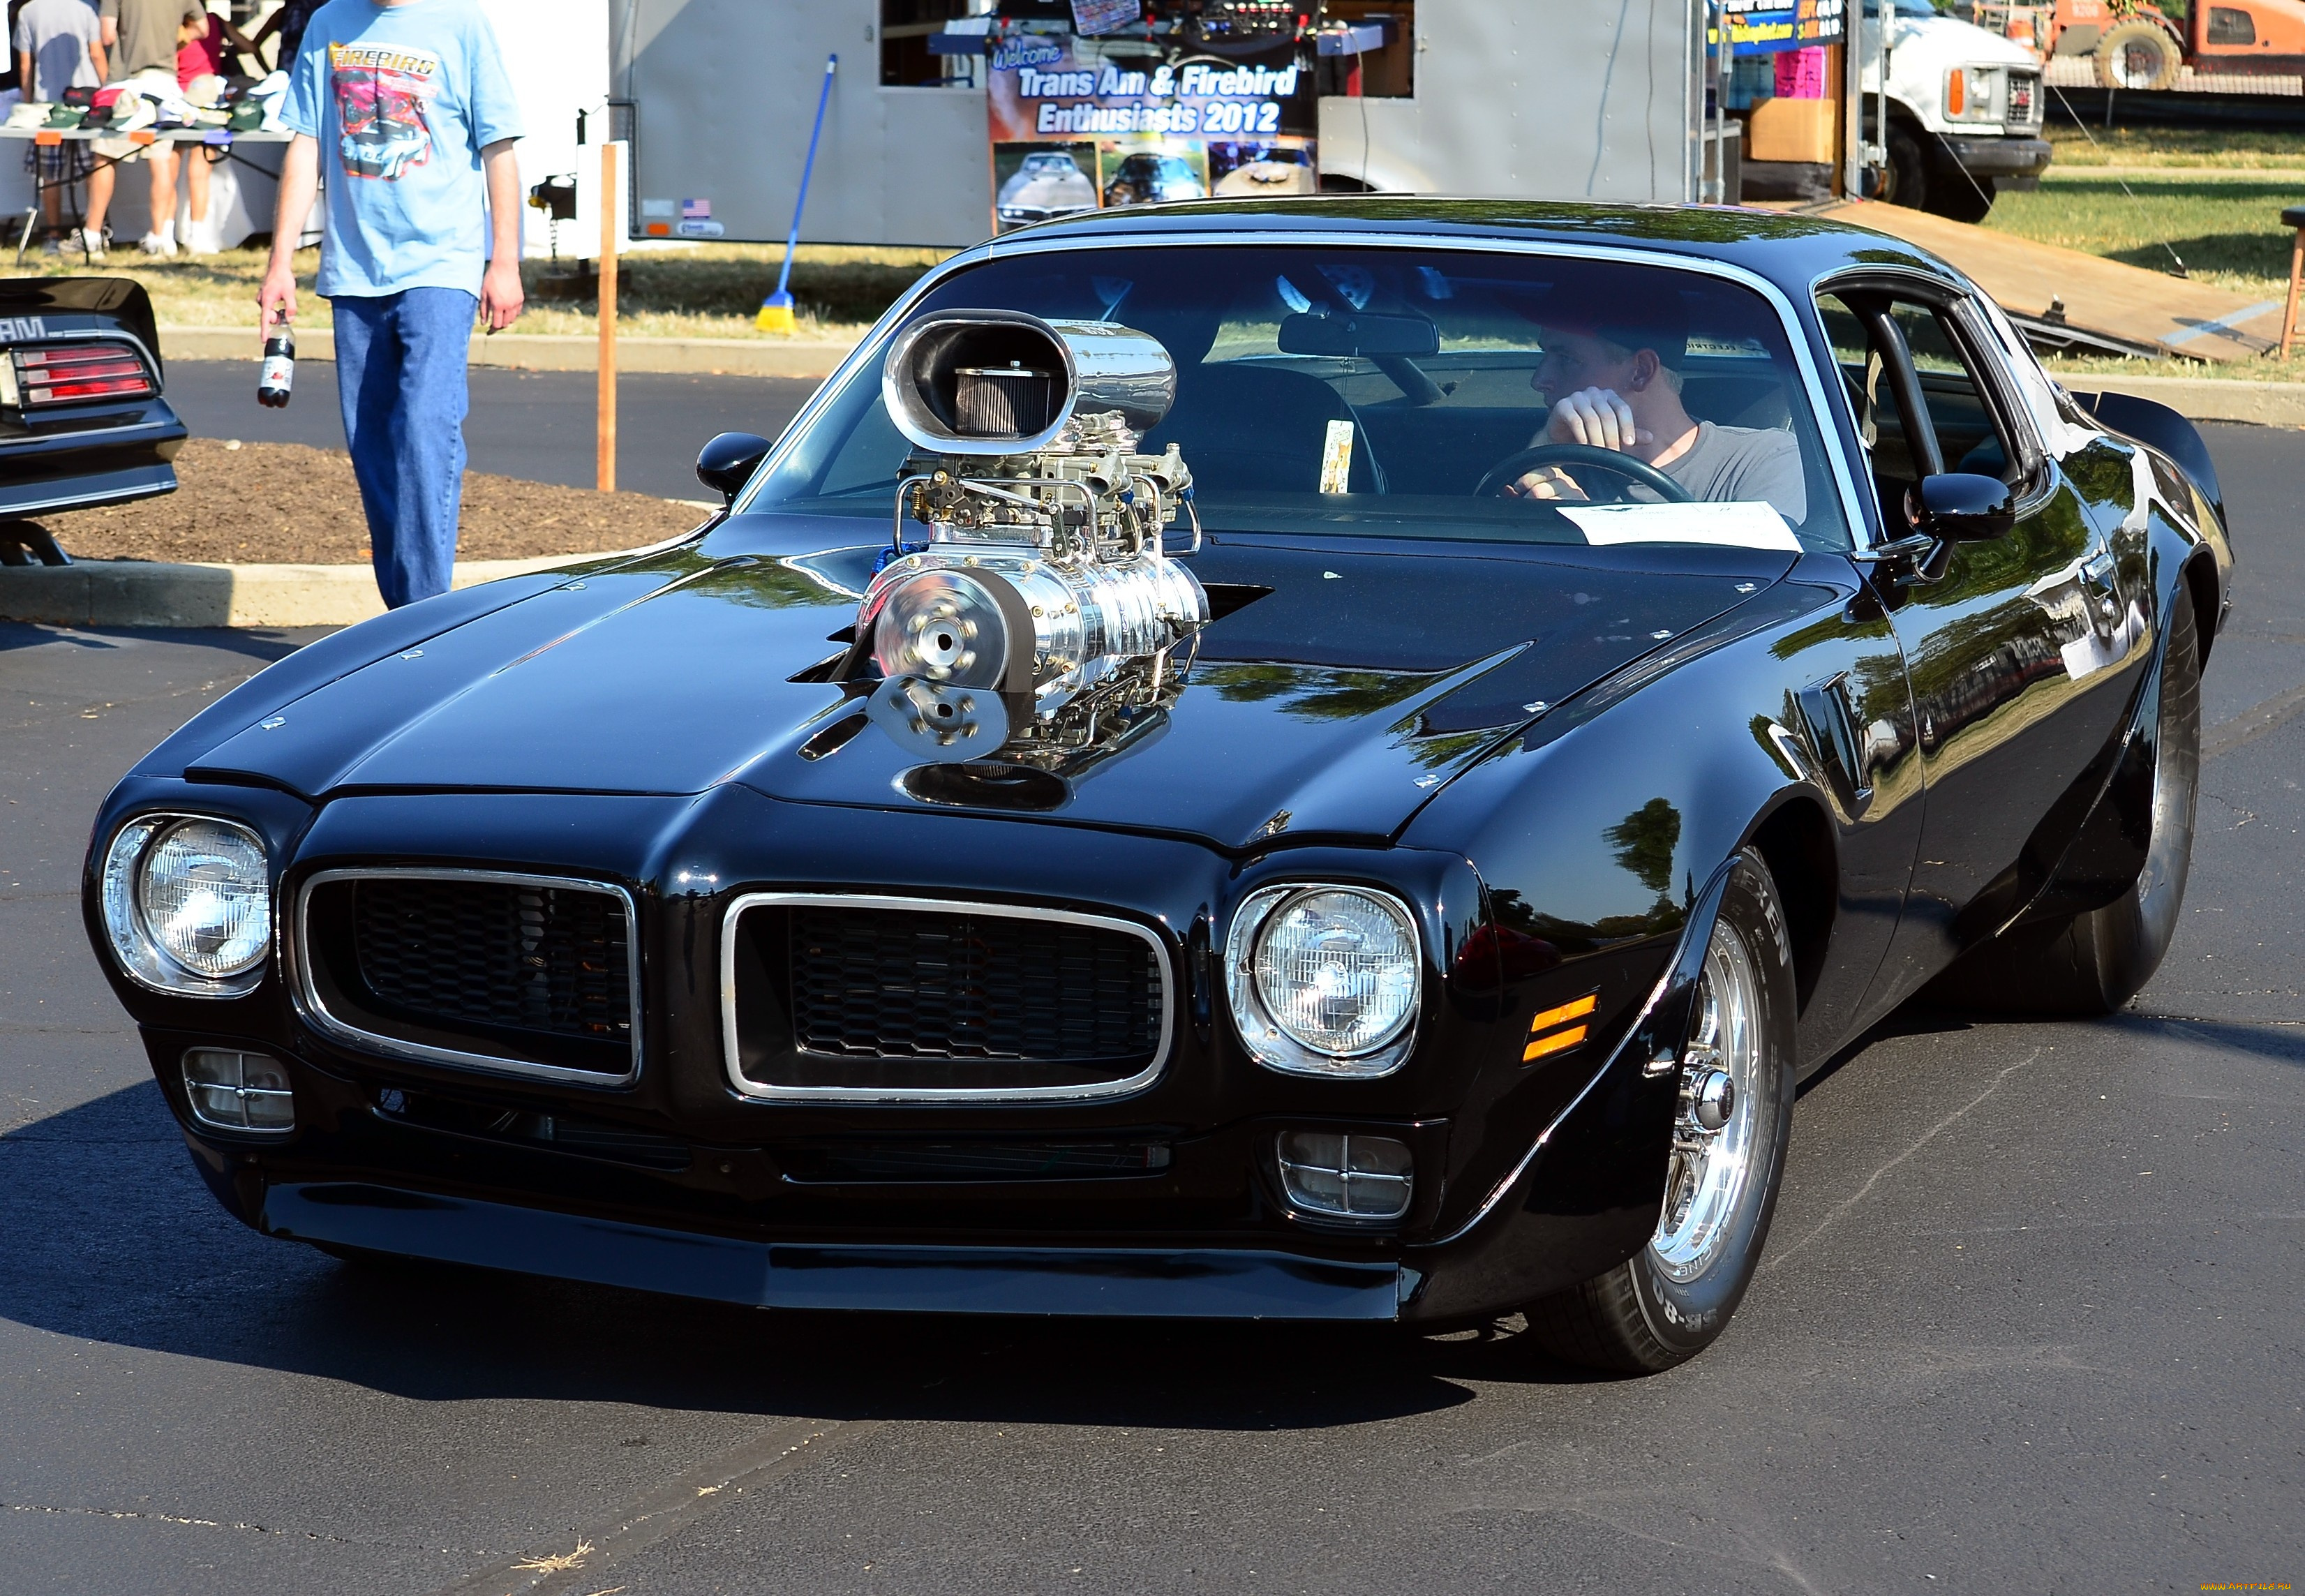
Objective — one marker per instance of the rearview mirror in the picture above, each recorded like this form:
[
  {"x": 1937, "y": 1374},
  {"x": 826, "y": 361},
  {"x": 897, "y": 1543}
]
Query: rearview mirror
[
  {"x": 1960, "y": 507},
  {"x": 728, "y": 462},
  {"x": 1357, "y": 333}
]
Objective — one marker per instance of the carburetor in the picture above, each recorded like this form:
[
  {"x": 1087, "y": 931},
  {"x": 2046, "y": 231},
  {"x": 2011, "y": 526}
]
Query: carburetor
[{"x": 1040, "y": 612}]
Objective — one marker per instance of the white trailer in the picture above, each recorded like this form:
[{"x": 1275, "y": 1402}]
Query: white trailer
[{"x": 1530, "y": 99}]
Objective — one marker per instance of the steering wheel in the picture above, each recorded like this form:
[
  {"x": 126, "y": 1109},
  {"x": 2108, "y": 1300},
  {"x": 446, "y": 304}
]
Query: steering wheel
[{"x": 1517, "y": 464}]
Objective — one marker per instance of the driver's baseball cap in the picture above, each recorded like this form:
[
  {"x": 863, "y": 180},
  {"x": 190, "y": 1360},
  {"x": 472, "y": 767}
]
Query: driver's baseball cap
[{"x": 1658, "y": 322}]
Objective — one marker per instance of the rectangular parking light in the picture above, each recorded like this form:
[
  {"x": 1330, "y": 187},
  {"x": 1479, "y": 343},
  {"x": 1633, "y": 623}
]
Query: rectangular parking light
[
  {"x": 233, "y": 1091},
  {"x": 1346, "y": 1177}
]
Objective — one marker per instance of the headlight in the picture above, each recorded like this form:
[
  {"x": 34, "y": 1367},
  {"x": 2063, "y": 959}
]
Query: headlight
[
  {"x": 1324, "y": 980},
  {"x": 188, "y": 904}
]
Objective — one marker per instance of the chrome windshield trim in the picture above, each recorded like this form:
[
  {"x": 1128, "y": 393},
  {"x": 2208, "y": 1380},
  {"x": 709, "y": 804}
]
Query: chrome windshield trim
[
  {"x": 744, "y": 1086},
  {"x": 306, "y": 995},
  {"x": 869, "y": 350}
]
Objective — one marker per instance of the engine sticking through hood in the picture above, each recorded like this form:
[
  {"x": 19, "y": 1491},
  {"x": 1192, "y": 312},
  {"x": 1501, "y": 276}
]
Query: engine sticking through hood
[{"x": 1037, "y": 625}]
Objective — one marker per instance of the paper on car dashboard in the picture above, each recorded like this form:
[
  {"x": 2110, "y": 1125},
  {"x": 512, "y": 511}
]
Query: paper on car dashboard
[{"x": 1735, "y": 524}]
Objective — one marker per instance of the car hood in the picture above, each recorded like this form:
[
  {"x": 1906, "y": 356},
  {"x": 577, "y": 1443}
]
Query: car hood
[
  {"x": 1951, "y": 39},
  {"x": 1340, "y": 685}
]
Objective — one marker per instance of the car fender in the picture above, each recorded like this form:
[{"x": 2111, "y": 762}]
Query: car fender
[{"x": 1602, "y": 833}]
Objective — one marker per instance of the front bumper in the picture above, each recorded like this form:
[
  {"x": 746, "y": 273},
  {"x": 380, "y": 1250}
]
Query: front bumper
[
  {"x": 1142, "y": 1283},
  {"x": 1998, "y": 158},
  {"x": 711, "y": 1195}
]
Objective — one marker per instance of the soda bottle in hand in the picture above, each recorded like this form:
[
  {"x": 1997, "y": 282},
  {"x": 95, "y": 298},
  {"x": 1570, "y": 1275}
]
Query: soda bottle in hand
[{"x": 278, "y": 374}]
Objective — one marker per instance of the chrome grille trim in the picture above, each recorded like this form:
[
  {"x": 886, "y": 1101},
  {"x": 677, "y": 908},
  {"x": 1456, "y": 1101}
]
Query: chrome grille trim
[
  {"x": 315, "y": 1012},
  {"x": 759, "y": 1092}
]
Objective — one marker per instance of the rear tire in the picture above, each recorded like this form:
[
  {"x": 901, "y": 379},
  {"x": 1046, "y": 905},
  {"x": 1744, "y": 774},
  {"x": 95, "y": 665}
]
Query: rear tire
[
  {"x": 2095, "y": 961},
  {"x": 1671, "y": 1300},
  {"x": 2138, "y": 55}
]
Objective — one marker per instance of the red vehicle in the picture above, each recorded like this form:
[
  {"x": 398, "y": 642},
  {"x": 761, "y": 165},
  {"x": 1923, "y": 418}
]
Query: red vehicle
[{"x": 2139, "y": 46}]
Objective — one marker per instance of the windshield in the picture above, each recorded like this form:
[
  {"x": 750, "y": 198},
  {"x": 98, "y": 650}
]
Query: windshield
[{"x": 1426, "y": 394}]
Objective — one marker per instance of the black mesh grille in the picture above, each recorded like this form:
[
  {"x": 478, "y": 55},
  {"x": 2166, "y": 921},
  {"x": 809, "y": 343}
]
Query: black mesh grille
[
  {"x": 555, "y": 961},
  {"x": 886, "y": 983}
]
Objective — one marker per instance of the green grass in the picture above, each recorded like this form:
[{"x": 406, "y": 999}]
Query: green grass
[
  {"x": 710, "y": 290},
  {"x": 2228, "y": 234},
  {"x": 2229, "y": 149}
]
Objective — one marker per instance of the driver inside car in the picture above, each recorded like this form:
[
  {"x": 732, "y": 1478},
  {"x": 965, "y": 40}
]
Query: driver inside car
[{"x": 1612, "y": 376}]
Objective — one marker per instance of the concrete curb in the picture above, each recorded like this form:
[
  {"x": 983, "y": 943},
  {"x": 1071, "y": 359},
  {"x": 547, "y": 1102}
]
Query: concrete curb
[
  {"x": 555, "y": 352},
  {"x": 2208, "y": 399},
  {"x": 146, "y": 593}
]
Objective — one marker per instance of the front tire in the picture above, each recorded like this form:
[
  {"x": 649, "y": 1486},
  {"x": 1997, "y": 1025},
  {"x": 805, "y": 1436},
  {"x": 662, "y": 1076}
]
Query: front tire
[
  {"x": 1905, "y": 179},
  {"x": 1671, "y": 1300}
]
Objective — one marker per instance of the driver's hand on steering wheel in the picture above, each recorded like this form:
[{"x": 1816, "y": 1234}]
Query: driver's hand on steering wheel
[{"x": 1547, "y": 482}]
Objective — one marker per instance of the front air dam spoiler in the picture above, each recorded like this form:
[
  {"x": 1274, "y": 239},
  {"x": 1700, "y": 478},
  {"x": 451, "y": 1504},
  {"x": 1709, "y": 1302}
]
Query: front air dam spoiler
[{"x": 1209, "y": 1284}]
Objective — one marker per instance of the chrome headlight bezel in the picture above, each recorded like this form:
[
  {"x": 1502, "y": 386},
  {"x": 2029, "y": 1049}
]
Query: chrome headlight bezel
[
  {"x": 1267, "y": 1037},
  {"x": 140, "y": 953}
]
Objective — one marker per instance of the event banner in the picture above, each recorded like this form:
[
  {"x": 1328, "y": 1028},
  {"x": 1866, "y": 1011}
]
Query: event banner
[
  {"x": 1078, "y": 125},
  {"x": 1765, "y": 27}
]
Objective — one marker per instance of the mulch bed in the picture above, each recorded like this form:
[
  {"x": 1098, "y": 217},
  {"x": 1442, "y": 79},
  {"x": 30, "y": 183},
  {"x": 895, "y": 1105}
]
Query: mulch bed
[{"x": 266, "y": 503}]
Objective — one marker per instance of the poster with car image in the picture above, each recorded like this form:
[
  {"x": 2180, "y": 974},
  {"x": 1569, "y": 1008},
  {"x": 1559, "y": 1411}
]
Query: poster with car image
[{"x": 1080, "y": 123}]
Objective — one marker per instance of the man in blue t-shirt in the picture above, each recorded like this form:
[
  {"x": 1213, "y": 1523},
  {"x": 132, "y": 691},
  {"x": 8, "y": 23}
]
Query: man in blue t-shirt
[{"x": 409, "y": 100}]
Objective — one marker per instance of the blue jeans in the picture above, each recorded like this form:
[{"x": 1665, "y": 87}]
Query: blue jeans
[{"x": 400, "y": 380}]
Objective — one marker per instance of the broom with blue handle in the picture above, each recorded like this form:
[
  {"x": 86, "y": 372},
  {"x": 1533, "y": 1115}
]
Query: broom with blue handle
[{"x": 776, "y": 310}]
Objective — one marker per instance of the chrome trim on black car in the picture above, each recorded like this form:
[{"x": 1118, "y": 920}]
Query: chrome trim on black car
[
  {"x": 306, "y": 994},
  {"x": 747, "y": 1087}
]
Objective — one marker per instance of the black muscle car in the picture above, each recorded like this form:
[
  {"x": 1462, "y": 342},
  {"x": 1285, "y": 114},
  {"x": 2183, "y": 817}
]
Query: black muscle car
[
  {"x": 83, "y": 421},
  {"x": 1319, "y": 760}
]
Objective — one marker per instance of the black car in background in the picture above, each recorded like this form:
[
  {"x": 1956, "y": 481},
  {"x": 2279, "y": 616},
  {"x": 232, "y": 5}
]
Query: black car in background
[
  {"x": 1135, "y": 809},
  {"x": 83, "y": 421}
]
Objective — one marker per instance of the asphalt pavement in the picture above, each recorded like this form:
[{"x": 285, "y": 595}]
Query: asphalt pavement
[
  {"x": 538, "y": 425},
  {"x": 2028, "y": 1320}
]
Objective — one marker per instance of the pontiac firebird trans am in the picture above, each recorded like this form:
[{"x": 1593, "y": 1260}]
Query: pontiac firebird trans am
[{"x": 1199, "y": 779}]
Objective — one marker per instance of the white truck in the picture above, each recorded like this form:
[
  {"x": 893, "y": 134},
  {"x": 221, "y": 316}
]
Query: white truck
[{"x": 1963, "y": 111}]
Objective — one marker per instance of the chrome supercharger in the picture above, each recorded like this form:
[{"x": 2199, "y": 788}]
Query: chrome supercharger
[{"x": 1039, "y": 618}]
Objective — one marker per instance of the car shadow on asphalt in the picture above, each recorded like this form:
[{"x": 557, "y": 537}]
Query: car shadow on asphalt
[
  {"x": 267, "y": 644},
  {"x": 113, "y": 1238}
]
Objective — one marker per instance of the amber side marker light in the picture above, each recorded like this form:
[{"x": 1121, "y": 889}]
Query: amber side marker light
[{"x": 1552, "y": 1020}]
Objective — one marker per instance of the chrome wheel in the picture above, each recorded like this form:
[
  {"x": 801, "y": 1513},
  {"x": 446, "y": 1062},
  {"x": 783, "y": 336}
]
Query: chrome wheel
[{"x": 1717, "y": 1134}]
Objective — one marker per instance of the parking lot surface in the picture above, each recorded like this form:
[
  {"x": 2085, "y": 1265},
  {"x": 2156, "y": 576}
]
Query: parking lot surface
[
  {"x": 536, "y": 425},
  {"x": 2027, "y": 1319}
]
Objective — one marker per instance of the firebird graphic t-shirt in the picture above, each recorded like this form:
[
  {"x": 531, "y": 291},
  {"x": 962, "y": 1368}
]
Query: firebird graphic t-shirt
[{"x": 402, "y": 99}]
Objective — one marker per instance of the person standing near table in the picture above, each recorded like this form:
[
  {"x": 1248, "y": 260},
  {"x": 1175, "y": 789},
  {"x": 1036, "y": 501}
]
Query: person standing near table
[
  {"x": 410, "y": 102},
  {"x": 60, "y": 46},
  {"x": 201, "y": 48},
  {"x": 142, "y": 37}
]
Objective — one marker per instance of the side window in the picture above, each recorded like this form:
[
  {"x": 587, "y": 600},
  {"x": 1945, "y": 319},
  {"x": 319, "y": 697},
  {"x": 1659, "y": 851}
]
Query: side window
[
  {"x": 1970, "y": 435},
  {"x": 1897, "y": 354}
]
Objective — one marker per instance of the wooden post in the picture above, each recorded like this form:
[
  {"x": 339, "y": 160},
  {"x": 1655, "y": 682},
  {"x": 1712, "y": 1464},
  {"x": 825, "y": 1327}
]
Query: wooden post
[
  {"x": 605, "y": 470},
  {"x": 2295, "y": 218}
]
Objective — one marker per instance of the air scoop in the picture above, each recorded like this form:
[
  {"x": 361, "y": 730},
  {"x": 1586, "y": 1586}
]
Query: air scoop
[{"x": 1035, "y": 622}]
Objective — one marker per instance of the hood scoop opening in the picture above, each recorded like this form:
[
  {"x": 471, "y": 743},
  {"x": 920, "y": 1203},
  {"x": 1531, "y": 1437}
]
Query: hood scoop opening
[{"x": 988, "y": 783}]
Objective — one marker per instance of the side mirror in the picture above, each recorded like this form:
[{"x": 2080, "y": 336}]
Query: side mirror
[
  {"x": 1960, "y": 507},
  {"x": 728, "y": 461}
]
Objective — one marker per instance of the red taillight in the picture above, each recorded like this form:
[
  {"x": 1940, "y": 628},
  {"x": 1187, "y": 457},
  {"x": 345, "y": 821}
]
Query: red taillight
[{"x": 69, "y": 373}]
